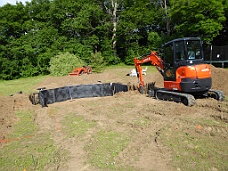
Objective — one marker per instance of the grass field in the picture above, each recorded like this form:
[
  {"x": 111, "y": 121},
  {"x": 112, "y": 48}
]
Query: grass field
[{"x": 117, "y": 133}]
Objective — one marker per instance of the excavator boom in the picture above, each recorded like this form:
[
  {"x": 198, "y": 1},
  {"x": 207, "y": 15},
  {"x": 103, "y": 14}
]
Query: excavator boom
[{"x": 153, "y": 59}]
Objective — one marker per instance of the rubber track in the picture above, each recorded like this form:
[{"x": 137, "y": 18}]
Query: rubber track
[
  {"x": 186, "y": 99},
  {"x": 216, "y": 94}
]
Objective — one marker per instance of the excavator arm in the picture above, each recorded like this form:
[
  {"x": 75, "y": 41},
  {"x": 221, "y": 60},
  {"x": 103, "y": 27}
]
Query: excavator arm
[{"x": 153, "y": 59}]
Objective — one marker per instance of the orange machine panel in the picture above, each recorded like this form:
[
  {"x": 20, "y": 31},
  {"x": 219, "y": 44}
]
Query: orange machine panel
[{"x": 193, "y": 72}]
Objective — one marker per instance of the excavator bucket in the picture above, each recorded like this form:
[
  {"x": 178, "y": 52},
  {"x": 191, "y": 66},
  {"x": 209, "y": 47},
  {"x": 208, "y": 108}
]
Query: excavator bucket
[
  {"x": 151, "y": 89},
  {"x": 131, "y": 87}
]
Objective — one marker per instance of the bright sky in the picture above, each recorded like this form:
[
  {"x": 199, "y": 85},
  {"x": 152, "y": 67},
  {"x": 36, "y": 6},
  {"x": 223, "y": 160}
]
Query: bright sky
[{"x": 13, "y": 2}]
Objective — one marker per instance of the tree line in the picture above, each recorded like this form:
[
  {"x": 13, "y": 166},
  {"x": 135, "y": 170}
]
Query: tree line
[{"x": 100, "y": 32}]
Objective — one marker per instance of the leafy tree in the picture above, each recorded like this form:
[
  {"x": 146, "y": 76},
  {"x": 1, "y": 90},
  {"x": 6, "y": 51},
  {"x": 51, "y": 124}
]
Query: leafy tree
[
  {"x": 162, "y": 22},
  {"x": 222, "y": 38},
  {"x": 84, "y": 24},
  {"x": 224, "y": 33},
  {"x": 136, "y": 21},
  {"x": 100, "y": 32},
  {"x": 12, "y": 18},
  {"x": 154, "y": 41},
  {"x": 108, "y": 31},
  {"x": 97, "y": 62},
  {"x": 197, "y": 18},
  {"x": 112, "y": 7}
]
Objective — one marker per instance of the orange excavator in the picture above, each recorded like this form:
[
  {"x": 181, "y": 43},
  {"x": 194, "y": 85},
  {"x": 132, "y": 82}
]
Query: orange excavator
[{"x": 185, "y": 73}]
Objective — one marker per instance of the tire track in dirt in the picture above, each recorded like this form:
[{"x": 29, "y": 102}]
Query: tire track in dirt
[
  {"x": 144, "y": 151},
  {"x": 145, "y": 147},
  {"x": 50, "y": 120}
]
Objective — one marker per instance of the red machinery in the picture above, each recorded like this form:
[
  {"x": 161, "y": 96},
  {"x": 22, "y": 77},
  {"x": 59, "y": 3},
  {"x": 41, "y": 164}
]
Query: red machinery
[
  {"x": 185, "y": 74},
  {"x": 81, "y": 70}
]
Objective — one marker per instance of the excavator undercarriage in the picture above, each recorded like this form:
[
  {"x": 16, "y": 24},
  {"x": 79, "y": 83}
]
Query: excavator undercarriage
[{"x": 187, "y": 99}]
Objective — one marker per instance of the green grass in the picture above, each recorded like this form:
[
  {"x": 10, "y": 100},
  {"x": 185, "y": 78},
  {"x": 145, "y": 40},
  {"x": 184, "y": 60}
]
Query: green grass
[
  {"x": 207, "y": 122},
  {"x": 28, "y": 149},
  {"x": 120, "y": 65},
  {"x": 26, "y": 85},
  {"x": 150, "y": 67},
  {"x": 75, "y": 125},
  {"x": 25, "y": 126},
  {"x": 196, "y": 151},
  {"x": 30, "y": 154},
  {"x": 210, "y": 122},
  {"x": 104, "y": 147},
  {"x": 144, "y": 122}
]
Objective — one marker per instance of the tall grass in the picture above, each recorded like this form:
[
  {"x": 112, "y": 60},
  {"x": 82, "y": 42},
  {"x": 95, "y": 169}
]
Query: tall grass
[{"x": 26, "y": 85}]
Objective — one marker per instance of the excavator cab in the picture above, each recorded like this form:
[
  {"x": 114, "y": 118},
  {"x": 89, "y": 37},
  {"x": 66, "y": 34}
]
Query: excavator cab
[
  {"x": 181, "y": 52},
  {"x": 184, "y": 66}
]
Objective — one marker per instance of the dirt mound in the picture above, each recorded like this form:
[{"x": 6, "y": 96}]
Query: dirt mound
[{"x": 219, "y": 79}]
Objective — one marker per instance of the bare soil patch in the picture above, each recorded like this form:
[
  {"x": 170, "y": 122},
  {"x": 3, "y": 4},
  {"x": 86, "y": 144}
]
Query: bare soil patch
[{"x": 141, "y": 117}]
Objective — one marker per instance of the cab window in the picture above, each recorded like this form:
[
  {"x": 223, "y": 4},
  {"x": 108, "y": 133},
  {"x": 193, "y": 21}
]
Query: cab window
[
  {"x": 194, "y": 50},
  {"x": 179, "y": 51},
  {"x": 169, "y": 54},
  {"x": 169, "y": 73}
]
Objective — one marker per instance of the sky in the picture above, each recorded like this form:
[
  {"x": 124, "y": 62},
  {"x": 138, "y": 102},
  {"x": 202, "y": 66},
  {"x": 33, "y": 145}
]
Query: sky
[{"x": 13, "y": 2}]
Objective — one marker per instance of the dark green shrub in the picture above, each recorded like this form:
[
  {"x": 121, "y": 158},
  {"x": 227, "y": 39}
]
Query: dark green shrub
[{"x": 64, "y": 63}]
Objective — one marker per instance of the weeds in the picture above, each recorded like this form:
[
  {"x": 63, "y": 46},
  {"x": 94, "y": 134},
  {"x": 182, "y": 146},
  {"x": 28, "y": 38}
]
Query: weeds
[
  {"x": 27, "y": 149},
  {"x": 195, "y": 151},
  {"x": 144, "y": 122},
  {"x": 25, "y": 126},
  {"x": 75, "y": 125},
  {"x": 104, "y": 147}
]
